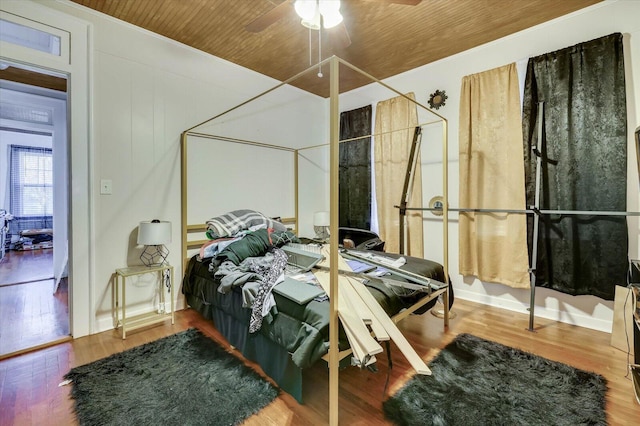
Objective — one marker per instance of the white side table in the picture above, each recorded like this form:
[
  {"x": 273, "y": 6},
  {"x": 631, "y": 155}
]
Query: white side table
[{"x": 142, "y": 320}]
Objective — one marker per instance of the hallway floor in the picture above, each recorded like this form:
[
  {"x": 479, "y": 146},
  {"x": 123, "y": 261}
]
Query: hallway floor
[{"x": 31, "y": 315}]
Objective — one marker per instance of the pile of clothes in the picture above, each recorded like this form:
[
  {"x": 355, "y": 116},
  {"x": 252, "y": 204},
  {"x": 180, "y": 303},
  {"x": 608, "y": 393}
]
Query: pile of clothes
[{"x": 245, "y": 247}]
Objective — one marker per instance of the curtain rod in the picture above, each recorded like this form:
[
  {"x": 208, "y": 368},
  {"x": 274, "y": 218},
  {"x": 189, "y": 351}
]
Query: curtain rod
[{"x": 530, "y": 211}]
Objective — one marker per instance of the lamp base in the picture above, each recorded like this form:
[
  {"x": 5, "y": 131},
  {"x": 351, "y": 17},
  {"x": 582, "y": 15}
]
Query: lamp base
[
  {"x": 322, "y": 232},
  {"x": 438, "y": 311},
  {"x": 154, "y": 255}
]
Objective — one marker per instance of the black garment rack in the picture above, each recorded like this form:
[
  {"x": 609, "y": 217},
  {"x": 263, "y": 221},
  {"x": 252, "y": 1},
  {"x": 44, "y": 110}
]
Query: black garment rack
[{"x": 534, "y": 209}]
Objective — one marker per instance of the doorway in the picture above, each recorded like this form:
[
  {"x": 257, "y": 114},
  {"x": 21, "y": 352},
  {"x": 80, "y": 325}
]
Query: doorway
[{"x": 34, "y": 302}]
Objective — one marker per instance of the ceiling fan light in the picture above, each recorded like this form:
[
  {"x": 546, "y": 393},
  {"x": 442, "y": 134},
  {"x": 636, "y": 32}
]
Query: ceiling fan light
[
  {"x": 328, "y": 6},
  {"x": 332, "y": 19},
  {"x": 306, "y": 9},
  {"x": 313, "y": 23}
]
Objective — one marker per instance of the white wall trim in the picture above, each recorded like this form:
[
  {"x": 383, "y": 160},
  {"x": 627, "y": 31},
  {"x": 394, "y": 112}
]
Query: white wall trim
[{"x": 575, "y": 318}]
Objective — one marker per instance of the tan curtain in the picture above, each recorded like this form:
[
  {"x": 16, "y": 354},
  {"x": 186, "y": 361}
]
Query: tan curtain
[
  {"x": 395, "y": 123},
  {"x": 493, "y": 246}
]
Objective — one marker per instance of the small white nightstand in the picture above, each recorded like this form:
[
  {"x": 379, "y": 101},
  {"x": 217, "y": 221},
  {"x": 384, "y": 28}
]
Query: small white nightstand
[{"x": 150, "y": 318}]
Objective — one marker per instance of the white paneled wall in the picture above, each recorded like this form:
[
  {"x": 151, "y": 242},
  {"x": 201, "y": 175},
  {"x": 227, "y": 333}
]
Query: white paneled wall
[{"x": 146, "y": 91}]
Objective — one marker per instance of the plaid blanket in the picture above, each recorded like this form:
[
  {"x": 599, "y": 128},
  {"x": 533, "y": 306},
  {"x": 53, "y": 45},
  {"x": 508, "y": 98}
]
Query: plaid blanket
[{"x": 229, "y": 224}]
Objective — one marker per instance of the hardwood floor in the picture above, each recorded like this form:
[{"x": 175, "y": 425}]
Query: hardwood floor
[
  {"x": 26, "y": 266},
  {"x": 31, "y": 314},
  {"x": 29, "y": 392}
]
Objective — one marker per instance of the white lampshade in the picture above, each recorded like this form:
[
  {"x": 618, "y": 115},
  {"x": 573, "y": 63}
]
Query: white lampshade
[
  {"x": 321, "y": 219},
  {"x": 154, "y": 233}
]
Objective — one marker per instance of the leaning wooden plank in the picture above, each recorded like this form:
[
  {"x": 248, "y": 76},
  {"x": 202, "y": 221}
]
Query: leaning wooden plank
[
  {"x": 342, "y": 264},
  {"x": 363, "y": 310},
  {"x": 357, "y": 349},
  {"x": 370, "y": 346},
  {"x": 368, "y": 343},
  {"x": 405, "y": 347},
  {"x": 355, "y": 303}
]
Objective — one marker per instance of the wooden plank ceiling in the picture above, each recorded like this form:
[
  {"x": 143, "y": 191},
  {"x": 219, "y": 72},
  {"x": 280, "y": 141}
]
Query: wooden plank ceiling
[
  {"x": 33, "y": 78},
  {"x": 387, "y": 37}
]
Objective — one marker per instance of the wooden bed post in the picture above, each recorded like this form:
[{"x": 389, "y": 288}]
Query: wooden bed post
[{"x": 334, "y": 152}]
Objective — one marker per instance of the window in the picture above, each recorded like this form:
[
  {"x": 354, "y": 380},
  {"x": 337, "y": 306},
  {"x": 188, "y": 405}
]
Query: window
[
  {"x": 31, "y": 182},
  {"x": 33, "y": 42},
  {"x": 31, "y": 38}
]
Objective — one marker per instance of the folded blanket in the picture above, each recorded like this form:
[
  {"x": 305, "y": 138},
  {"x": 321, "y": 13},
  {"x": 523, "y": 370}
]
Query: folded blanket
[
  {"x": 229, "y": 224},
  {"x": 255, "y": 244}
]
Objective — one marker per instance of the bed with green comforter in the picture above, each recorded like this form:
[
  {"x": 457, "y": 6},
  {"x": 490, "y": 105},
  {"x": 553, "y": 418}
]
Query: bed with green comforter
[{"x": 295, "y": 336}]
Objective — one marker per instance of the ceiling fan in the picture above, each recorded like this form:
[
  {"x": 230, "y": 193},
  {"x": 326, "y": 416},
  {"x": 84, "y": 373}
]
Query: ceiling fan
[{"x": 314, "y": 14}]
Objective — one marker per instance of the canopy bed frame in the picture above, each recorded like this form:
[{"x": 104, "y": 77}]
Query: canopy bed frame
[{"x": 189, "y": 229}]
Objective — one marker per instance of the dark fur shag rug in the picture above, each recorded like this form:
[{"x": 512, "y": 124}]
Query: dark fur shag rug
[
  {"x": 184, "y": 379},
  {"x": 478, "y": 382}
]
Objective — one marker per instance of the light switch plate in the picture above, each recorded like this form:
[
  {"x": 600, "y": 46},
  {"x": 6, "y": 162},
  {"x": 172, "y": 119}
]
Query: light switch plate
[{"x": 106, "y": 186}]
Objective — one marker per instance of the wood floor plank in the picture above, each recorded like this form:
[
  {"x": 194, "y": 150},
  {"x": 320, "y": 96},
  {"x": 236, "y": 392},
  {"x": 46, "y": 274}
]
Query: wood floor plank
[{"x": 31, "y": 315}]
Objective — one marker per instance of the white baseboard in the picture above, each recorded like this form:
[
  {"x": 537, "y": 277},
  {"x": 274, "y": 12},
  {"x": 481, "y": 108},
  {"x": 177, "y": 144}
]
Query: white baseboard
[
  {"x": 105, "y": 322},
  {"x": 575, "y": 318}
]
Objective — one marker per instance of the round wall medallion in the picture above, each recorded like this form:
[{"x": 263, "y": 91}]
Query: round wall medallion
[
  {"x": 437, "y": 204},
  {"x": 437, "y": 99}
]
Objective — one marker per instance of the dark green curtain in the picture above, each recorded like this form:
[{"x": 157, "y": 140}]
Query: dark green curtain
[
  {"x": 584, "y": 165},
  {"x": 355, "y": 169}
]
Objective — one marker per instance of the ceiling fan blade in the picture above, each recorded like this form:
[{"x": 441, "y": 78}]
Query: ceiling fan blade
[
  {"x": 265, "y": 20},
  {"x": 340, "y": 34}
]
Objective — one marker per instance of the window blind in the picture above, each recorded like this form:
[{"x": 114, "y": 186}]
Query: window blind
[{"x": 31, "y": 181}]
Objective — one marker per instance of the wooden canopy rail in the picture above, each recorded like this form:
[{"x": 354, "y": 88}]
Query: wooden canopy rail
[{"x": 334, "y": 140}]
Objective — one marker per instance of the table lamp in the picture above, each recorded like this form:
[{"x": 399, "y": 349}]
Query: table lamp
[
  {"x": 154, "y": 235},
  {"x": 321, "y": 222}
]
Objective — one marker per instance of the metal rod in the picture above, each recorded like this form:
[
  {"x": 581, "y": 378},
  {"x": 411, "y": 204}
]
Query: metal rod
[
  {"x": 445, "y": 219},
  {"x": 415, "y": 143},
  {"x": 357, "y": 138},
  {"x": 284, "y": 83},
  {"x": 588, "y": 213},
  {"x": 536, "y": 218},
  {"x": 334, "y": 153},
  {"x": 240, "y": 141},
  {"x": 183, "y": 194},
  {"x": 380, "y": 82},
  {"x": 531, "y": 211}
]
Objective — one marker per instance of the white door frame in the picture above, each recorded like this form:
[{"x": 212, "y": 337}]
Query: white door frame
[{"x": 75, "y": 62}]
